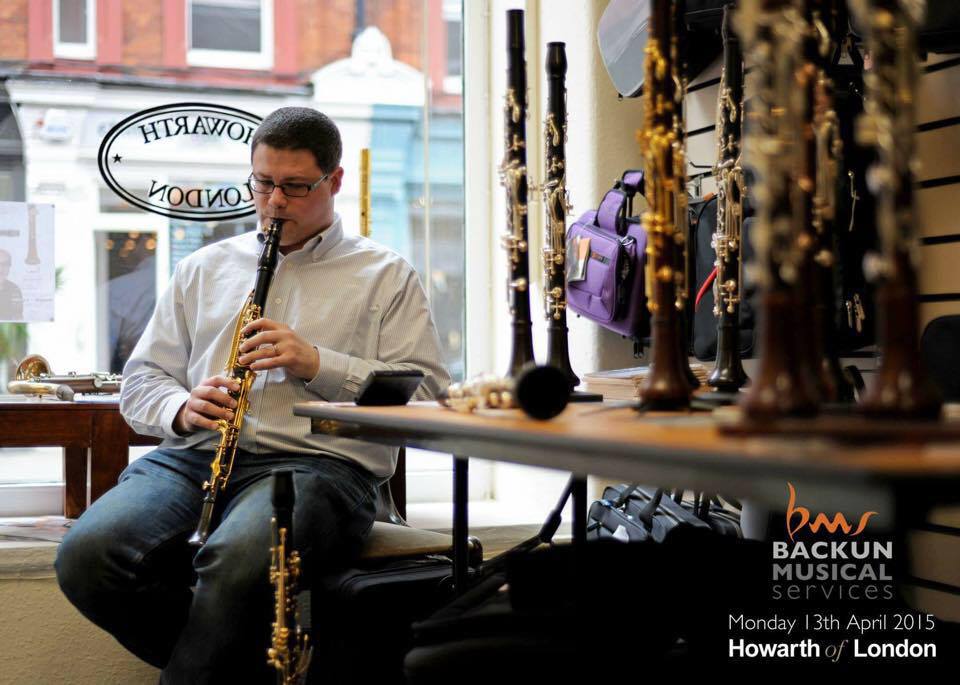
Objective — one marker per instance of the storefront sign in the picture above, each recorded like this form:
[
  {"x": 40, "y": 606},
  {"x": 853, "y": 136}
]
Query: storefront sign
[{"x": 159, "y": 138}]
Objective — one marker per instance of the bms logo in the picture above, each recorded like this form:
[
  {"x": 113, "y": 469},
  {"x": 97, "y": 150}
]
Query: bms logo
[{"x": 798, "y": 518}]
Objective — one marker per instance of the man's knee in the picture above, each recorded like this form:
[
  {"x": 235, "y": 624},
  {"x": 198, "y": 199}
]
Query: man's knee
[{"x": 80, "y": 564}]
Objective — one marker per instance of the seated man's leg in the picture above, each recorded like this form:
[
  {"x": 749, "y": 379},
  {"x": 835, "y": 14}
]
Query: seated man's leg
[
  {"x": 125, "y": 563},
  {"x": 228, "y": 631}
]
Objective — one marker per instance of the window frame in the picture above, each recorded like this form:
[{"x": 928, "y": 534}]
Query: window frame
[
  {"x": 233, "y": 59},
  {"x": 85, "y": 50}
]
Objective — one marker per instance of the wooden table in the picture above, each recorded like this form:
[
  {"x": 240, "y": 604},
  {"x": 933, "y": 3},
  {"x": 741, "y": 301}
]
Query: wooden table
[
  {"x": 900, "y": 481},
  {"x": 93, "y": 435}
]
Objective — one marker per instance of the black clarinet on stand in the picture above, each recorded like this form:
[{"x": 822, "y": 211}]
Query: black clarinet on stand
[
  {"x": 728, "y": 374},
  {"x": 556, "y": 202},
  {"x": 902, "y": 389},
  {"x": 513, "y": 176}
]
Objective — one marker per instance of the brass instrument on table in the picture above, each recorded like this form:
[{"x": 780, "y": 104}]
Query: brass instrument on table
[
  {"x": 365, "y": 192},
  {"x": 513, "y": 177},
  {"x": 34, "y": 377},
  {"x": 556, "y": 201},
  {"x": 290, "y": 650},
  {"x": 540, "y": 391},
  {"x": 774, "y": 32},
  {"x": 728, "y": 374},
  {"x": 667, "y": 386},
  {"x": 253, "y": 307},
  {"x": 888, "y": 123}
]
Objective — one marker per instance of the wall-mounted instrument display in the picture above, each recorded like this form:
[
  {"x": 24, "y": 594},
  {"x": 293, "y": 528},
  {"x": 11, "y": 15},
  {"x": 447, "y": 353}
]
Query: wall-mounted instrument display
[
  {"x": 513, "y": 177},
  {"x": 773, "y": 31},
  {"x": 667, "y": 386},
  {"x": 222, "y": 464},
  {"x": 556, "y": 202},
  {"x": 290, "y": 650},
  {"x": 888, "y": 124},
  {"x": 34, "y": 377},
  {"x": 728, "y": 374},
  {"x": 540, "y": 391}
]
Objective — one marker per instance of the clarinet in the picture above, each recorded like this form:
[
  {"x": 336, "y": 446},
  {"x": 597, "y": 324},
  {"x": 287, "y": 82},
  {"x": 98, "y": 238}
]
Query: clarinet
[
  {"x": 827, "y": 149},
  {"x": 888, "y": 123},
  {"x": 728, "y": 374},
  {"x": 290, "y": 650},
  {"x": 667, "y": 385},
  {"x": 513, "y": 176},
  {"x": 556, "y": 201},
  {"x": 222, "y": 464},
  {"x": 774, "y": 31},
  {"x": 678, "y": 49}
]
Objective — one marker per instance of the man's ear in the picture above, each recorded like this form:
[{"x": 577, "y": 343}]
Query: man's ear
[{"x": 336, "y": 179}]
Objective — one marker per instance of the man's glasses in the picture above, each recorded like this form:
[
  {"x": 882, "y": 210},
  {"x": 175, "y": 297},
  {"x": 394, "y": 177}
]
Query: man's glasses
[{"x": 288, "y": 189}]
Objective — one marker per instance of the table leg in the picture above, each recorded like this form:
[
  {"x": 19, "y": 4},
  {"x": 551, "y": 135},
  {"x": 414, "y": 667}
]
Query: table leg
[
  {"x": 109, "y": 453},
  {"x": 579, "y": 524},
  {"x": 460, "y": 524},
  {"x": 75, "y": 481}
]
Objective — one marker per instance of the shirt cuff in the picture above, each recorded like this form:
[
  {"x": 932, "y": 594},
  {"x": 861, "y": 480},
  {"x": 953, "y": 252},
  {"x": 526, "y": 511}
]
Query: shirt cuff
[
  {"x": 332, "y": 374},
  {"x": 169, "y": 413}
]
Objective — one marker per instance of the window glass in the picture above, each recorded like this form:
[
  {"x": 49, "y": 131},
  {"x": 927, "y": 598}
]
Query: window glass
[
  {"x": 391, "y": 95},
  {"x": 226, "y": 25},
  {"x": 72, "y": 21}
]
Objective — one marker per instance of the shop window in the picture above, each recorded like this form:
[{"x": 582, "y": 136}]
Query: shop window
[
  {"x": 230, "y": 33},
  {"x": 74, "y": 29}
]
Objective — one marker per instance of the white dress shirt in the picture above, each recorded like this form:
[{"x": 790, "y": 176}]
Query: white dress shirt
[{"x": 361, "y": 306}]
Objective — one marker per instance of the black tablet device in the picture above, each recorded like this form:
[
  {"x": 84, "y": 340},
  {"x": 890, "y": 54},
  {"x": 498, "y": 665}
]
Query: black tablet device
[{"x": 384, "y": 387}]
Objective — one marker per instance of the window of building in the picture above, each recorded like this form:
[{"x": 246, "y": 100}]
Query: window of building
[
  {"x": 453, "y": 23},
  {"x": 230, "y": 33},
  {"x": 74, "y": 29},
  {"x": 108, "y": 249}
]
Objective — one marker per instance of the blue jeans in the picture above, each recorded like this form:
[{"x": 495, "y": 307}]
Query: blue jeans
[{"x": 126, "y": 566}]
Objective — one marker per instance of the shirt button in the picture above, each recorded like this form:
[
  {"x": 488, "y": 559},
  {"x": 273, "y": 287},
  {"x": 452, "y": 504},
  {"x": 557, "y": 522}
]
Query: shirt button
[{"x": 278, "y": 300}]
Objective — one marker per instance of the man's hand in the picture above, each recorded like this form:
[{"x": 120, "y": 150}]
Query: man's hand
[
  {"x": 277, "y": 346},
  {"x": 207, "y": 403}
]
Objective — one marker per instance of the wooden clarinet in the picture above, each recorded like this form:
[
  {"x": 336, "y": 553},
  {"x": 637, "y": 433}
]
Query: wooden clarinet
[
  {"x": 667, "y": 385},
  {"x": 556, "y": 201},
  {"x": 678, "y": 50},
  {"x": 825, "y": 150},
  {"x": 888, "y": 123},
  {"x": 728, "y": 374},
  {"x": 513, "y": 176},
  {"x": 773, "y": 32}
]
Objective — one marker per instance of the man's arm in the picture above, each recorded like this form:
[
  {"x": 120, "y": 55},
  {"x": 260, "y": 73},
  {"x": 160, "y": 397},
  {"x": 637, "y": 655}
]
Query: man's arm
[
  {"x": 408, "y": 340},
  {"x": 155, "y": 377}
]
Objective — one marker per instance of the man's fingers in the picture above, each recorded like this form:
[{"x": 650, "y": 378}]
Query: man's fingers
[
  {"x": 220, "y": 382},
  {"x": 259, "y": 324},
  {"x": 199, "y": 421},
  {"x": 216, "y": 396},
  {"x": 262, "y": 338},
  {"x": 262, "y": 353}
]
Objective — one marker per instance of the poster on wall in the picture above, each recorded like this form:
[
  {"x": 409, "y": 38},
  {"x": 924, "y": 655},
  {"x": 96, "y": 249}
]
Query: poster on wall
[{"x": 27, "y": 273}]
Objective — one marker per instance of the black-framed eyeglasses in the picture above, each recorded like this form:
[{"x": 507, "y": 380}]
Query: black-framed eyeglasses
[{"x": 288, "y": 189}]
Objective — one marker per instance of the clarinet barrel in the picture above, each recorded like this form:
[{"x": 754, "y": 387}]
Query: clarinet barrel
[
  {"x": 901, "y": 389},
  {"x": 728, "y": 374},
  {"x": 556, "y": 202},
  {"x": 667, "y": 385},
  {"x": 513, "y": 176}
]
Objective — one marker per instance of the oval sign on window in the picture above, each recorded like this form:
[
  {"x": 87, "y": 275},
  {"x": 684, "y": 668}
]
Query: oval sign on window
[{"x": 155, "y": 159}]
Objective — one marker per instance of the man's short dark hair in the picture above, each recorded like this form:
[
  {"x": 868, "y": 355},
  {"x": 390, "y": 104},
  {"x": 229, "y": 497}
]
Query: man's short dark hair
[{"x": 301, "y": 128}]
